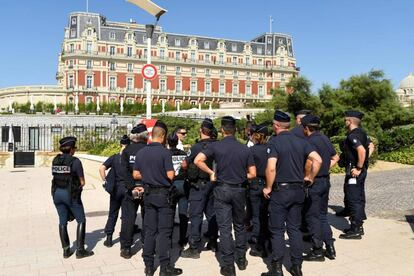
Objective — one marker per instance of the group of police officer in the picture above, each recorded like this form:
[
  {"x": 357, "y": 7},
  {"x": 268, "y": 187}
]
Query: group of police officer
[{"x": 283, "y": 179}]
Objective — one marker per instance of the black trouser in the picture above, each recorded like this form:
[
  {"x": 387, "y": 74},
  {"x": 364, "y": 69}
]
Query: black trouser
[
  {"x": 128, "y": 217},
  {"x": 158, "y": 222},
  {"x": 285, "y": 213},
  {"x": 259, "y": 207},
  {"x": 115, "y": 202},
  {"x": 356, "y": 198},
  {"x": 316, "y": 206},
  {"x": 230, "y": 204},
  {"x": 201, "y": 201}
]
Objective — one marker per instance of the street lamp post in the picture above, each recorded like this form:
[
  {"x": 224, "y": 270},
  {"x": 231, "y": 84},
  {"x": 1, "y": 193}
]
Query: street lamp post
[{"x": 150, "y": 31}]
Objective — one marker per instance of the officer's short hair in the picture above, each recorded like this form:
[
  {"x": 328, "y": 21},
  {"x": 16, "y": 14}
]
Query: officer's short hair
[
  {"x": 65, "y": 149},
  {"x": 206, "y": 131},
  {"x": 158, "y": 132},
  {"x": 138, "y": 137}
]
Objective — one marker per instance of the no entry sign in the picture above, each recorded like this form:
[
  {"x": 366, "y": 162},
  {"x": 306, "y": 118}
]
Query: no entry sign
[{"x": 149, "y": 71}]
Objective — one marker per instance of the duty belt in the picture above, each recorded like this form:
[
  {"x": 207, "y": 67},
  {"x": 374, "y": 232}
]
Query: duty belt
[
  {"x": 242, "y": 185},
  {"x": 287, "y": 185},
  {"x": 157, "y": 189}
]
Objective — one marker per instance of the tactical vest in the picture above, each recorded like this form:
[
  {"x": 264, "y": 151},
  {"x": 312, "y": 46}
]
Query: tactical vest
[
  {"x": 62, "y": 175},
  {"x": 194, "y": 174},
  {"x": 351, "y": 155}
]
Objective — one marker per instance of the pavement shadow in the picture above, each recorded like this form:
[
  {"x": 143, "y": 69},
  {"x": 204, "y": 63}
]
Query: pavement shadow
[
  {"x": 92, "y": 238},
  {"x": 410, "y": 220},
  {"x": 339, "y": 223}
]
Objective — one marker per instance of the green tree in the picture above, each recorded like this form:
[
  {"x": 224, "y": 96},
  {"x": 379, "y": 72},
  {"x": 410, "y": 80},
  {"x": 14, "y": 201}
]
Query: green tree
[{"x": 301, "y": 96}]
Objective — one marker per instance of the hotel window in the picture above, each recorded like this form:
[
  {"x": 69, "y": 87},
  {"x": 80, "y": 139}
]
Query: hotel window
[
  {"x": 130, "y": 68},
  {"x": 162, "y": 86},
  {"x": 89, "y": 32},
  {"x": 177, "y": 42},
  {"x": 145, "y": 53},
  {"x": 70, "y": 81},
  {"x": 162, "y": 69},
  {"x": 112, "y": 36},
  {"x": 282, "y": 77},
  {"x": 248, "y": 75},
  {"x": 178, "y": 86},
  {"x": 260, "y": 61},
  {"x": 247, "y": 60},
  {"x": 33, "y": 138},
  {"x": 129, "y": 36},
  {"x": 89, "y": 48},
  {"x": 162, "y": 39},
  {"x": 71, "y": 64},
  {"x": 193, "y": 42},
  {"x": 193, "y": 88},
  {"x": 89, "y": 64},
  {"x": 130, "y": 101},
  {"x": 207, "y": 72},
  {"x": 112, "y": 50},
  {"x": 178, "y": 55},
  {"x": 235, "y": 89},
  {"x": 248, "y": 90},
  {"x": 130, "y": 82},
  {"x": 71, "y": 48},
  {"x": 234, "y": 47},
  {"x": 259, "y": 50},
  {"x": 221, "y": 59},
  {"x": 129, "y": 51},
  {"x": 192, "y": 56},
  {"x": 112, "y": 66},
  {"x": 235, "y": 73},
  {"x": 72, "y": 33},
  {"x": 162, "y": 53},
  {"x": 207, "y": 58},
  {"x": 112, "y": 83},
  {"x": 208, "y": 88},
  {"x": 261, "y": 91},
  {"x": 221, "y": 88},
  {"x": 261, "y": 76},
  {"x": 234, "y": 60},
  {"x": 178, "y": 70},
  {"x": 206, "y": 45},
  {"x": 70, "y": 100},
  {"x": 89, "y": 100},
  {"x": 282, "y": 62},
  {"x": 193, "y": 71},
  {"x": 221, "y": 73},
  {"x": 89, "y": 82}
]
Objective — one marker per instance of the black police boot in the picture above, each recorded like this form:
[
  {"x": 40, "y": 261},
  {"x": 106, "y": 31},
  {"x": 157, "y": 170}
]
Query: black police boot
[
  {"x": 149, "y": 271},
  {"x": 64, "y": 239},
  {"x": 330, "y": 252},
  {"x": 361, "y": 230},
  {"x": 296, "y": 270},
  {"x": 108, "y": 242},
  {"x": 81, "y": 252},
  {"x": 274, "y": 270},
  {"x": 126, "y": 253},
  {"x": 315, "y": 255},
  {"x": 212, "y": 245},
  {"x": 242, "y": 263},
  {"x": 228, "y": 270},
  {"x": 170, "y": 271},
  {"x": 343, "y": 213},
  {"x": 354, "y": 233},
  {"x": 191, "y": 253},
  {"x": 256, "y": 250}
]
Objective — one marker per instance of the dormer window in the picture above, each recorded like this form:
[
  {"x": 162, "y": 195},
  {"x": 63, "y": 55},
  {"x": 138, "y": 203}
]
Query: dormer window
[
  {"x": 206, "y": 45},
  {"x": 129, "y": 36},
  {"x": 89, "y": 32},
  {"x": 193, "y": 42},
  {"x": 259, "y": 50},
  {"x": 177, "y": 42},
  {"x": 112, "y": 35}
]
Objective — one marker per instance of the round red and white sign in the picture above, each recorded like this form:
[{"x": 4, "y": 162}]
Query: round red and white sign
[{"x": 149, "y": 71}]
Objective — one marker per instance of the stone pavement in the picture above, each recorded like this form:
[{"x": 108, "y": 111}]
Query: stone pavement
[{"x": 29, "y": 241}]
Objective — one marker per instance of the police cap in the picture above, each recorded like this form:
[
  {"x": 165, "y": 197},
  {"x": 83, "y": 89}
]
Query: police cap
[
  {"x": 228, "y": 121},
  {"x": 207, "y": 123},
  {"x": 139, "y": 128},
  {"x": 354, "y": 114},
  {"x": 310, "y": 120},
  {"x": 262, "y": 128},
  {"x": 303, "y": 112},
  {"x": 281, "y": 116},
  {"x": 161, "y": 125},
  {"x": 125, "y": 140},
  {"x": 69, "y": 141}
]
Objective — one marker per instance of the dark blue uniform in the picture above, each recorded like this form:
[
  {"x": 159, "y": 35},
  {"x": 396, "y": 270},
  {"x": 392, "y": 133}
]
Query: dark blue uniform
[
  {"x": 355, "y": 193},
  {"x": 129, "y": 204},
  {"x": 316, "y": 205},
  {"x": 298, "y": 131},
  {"x": 153, "y": 162},
  {"x": 233, "y": 159},
  {"x": 258, "y": 203},
  {"x": 287, "y": 197},
  {"x": 117, "y": 195},
  {"x": 201, "y": 197}
]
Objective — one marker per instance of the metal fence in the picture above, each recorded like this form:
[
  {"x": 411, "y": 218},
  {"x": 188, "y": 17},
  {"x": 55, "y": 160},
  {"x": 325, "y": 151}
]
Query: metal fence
[{"x": 46, "y": 137}]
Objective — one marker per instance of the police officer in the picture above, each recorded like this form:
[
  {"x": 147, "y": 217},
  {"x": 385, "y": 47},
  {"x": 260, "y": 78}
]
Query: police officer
[
  {"x": 235, "y": 165},
  {"x": 181, "y": 185},
  {"x": 258, "y": 202},
  {"x": 118, "y": 191},
  {"x": 316, "y": 205},
  {"x": 284, "y": 186},
  {"x": 154, "y": 167},
  {"x": 298, "y": 129},
  {"x": 132, "y": 199},
  {"x": 357, "y": 148},
  {"x": 201, "y": 197},
  {"x": 68, "y": 180}
]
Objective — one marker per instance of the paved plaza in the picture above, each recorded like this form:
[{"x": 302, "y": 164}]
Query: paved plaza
[{"x": 29, "y": 240}]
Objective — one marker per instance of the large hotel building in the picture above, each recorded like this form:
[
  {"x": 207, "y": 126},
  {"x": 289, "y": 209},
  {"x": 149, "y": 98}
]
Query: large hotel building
[{"x": 100, "y": 58}]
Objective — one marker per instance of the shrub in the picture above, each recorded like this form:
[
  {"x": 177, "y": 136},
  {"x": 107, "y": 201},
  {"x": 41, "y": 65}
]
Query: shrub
[{"x": 403, "y": 155}]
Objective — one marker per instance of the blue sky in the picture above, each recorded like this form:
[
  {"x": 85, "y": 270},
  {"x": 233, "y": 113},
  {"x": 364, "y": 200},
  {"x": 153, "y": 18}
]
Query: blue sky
[{"x": 333, "y": 39}]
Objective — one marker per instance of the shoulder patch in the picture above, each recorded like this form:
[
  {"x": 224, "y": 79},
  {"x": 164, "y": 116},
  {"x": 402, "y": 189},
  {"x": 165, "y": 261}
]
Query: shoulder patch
[
  {"x": 268, "y": 150},
  {"x": 354, "y": 141},
  {"x": 189, "y": 152}
]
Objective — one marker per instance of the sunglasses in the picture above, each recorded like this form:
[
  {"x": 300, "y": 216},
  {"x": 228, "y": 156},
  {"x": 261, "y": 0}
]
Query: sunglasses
[{"x": 183, "y": 133}]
